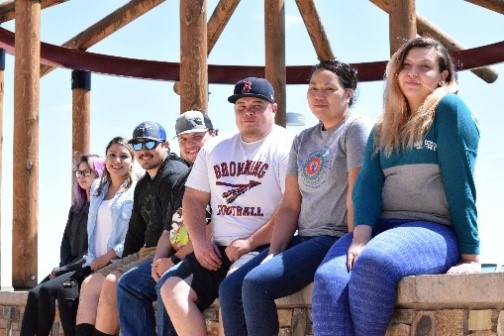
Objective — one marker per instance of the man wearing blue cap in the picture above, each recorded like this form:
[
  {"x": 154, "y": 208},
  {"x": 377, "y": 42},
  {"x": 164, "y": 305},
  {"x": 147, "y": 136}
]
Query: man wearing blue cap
[
  {"x": 243, "y": 178},
  {"x": 193, "y": 129},
  {"x": 149, "y": 216}
]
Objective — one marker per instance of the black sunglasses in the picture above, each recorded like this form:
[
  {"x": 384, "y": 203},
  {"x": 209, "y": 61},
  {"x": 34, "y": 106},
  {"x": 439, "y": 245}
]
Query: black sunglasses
[
  {"x": 149, "y": 144},
  {"x": 84, "y": 173}
]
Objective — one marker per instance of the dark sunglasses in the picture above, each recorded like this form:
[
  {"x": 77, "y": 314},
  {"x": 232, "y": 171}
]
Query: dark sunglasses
[{"x": 149, "y": 144}]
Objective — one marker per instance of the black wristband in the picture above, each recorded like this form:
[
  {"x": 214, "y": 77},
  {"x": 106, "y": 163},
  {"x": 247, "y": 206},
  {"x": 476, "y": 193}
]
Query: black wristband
[{"x": 175, "y": 260}]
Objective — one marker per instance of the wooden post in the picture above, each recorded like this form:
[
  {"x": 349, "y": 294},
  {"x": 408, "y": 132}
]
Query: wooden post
[
  {"x": 2, "y": 77},
  {"x": 216, "y": 24},
  {"x": 26, "y": 144},
  {"x": 274, "y": 19},
  {"x": 193, "y": 56},
  {"x": 81, "y": 113},
  {"x": 402, "y": 23}
]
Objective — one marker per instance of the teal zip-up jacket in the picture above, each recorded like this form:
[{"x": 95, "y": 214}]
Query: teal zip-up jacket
[{"x": 433, "y": 181}]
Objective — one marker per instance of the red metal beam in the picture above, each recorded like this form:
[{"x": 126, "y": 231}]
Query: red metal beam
[{"x": 222, "y": 74}]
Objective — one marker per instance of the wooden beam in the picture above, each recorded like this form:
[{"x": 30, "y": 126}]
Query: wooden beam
[
  {"x": 7, "y": 12},
  {"x": 402, "y": 23},
  {"x": 2, "y": 87},
  {"x": 315, "y": 29},
  {"x": 26, "y": 146},
  {"x": 275, "y": 72},
  {"x": 81, "y": 113},
  {"x": 193, "y": 56},
  {"x": 494, "y": 5},
  {"x": 425, "y": 28},
  {"x": 106, "y": 26},
  {"x": 218, "y": 21}
]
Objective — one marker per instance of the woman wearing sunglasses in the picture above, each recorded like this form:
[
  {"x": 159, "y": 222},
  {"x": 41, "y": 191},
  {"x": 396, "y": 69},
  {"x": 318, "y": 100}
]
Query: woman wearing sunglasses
[{"x": 39, "y": 312}]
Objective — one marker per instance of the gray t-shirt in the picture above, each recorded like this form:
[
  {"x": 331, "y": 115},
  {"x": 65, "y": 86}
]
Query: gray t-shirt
[{"x": 320, "y": 160}]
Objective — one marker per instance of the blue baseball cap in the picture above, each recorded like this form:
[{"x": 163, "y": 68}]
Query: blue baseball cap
[
  {"x": 253, "y": 87},
  {"x": 149, "y": 130}
]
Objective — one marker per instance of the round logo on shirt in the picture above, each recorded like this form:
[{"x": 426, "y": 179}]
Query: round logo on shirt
[{"x": 315, "y": 167}]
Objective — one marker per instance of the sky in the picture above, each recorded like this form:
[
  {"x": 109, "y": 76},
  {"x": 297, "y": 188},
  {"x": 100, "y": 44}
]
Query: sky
[{"x": 357, "y": 31}]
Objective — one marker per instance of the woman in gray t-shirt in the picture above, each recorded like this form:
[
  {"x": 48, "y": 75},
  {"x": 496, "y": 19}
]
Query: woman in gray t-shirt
[{"x": 323, "y": 165}]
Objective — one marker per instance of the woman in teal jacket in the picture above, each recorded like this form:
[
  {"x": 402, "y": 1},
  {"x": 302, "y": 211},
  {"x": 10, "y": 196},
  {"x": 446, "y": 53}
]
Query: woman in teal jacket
[{"x": 414, "y": 200}]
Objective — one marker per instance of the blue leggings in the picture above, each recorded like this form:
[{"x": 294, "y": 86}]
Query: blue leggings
[{"x": 362, "y": 301}]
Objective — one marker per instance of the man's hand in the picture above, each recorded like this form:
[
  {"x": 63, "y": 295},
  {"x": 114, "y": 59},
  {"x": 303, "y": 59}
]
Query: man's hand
[
  {"x": 160, "y": 266},
  {"x": 207, "y": 254},
  {"x": 238, "y": 248}
]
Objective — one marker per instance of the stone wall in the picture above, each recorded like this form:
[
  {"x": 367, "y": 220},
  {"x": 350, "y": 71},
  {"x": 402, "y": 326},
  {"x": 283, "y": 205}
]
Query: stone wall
[{"x": 454, "y": 305}]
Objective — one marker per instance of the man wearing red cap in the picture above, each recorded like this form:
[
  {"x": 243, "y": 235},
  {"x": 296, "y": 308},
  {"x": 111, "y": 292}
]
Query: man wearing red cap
[{"x": 242, "y": 176}]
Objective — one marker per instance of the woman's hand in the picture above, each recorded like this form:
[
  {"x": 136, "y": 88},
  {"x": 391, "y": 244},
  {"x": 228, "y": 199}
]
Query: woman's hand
[
  {"x": 103, "y": 261},
  {"x": 469, "y": 264},
  {"x": 361, "y": 236},
  {"x": 99, "y": 263},
  {"x": 52, "y": 275},
  {"x": 353, "y": 253}
]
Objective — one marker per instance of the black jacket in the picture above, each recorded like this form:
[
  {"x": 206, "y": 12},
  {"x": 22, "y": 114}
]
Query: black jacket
[
  {"x": 75, "y": 241},
  {"x": 150, "y": 203}
]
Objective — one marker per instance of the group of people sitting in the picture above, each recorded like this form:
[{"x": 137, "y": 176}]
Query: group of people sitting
[{"x": 259, "y": 214}]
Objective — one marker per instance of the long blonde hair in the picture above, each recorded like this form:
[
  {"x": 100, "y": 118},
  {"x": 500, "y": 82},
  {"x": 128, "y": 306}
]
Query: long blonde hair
[{"x": 399, "y": 127}]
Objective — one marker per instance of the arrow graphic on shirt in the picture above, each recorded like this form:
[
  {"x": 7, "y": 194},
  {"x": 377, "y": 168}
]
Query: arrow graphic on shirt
[{"x": 238, "y": 189}]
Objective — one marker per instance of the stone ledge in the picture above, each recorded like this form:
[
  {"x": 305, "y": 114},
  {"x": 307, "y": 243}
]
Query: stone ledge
[
  {"x": 13, "y": 298},
  {"x": 426, "y": 305},
  {"x": 475, "y": 291},
  {"x": 478, "y": 291}
]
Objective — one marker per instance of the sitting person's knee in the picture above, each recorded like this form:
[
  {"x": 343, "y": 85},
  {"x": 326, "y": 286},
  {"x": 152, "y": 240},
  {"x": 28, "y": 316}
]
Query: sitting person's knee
[
  {"x": 92, "y": 284},
  {"x": 171, "y": 289},
  {"x": 111, "y": 280}
]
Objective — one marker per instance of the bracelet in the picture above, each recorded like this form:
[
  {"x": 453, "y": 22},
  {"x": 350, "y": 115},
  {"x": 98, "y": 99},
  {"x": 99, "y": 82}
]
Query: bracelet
[{"x": 175, "y": 260}]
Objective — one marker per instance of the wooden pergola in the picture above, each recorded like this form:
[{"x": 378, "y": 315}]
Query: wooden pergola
[{"x": 191, "y": 75}]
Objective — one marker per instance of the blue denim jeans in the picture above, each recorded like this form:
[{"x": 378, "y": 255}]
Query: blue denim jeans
[
  {"x": 136, "y": 291},
  {"x": 247, "y": 295}
]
